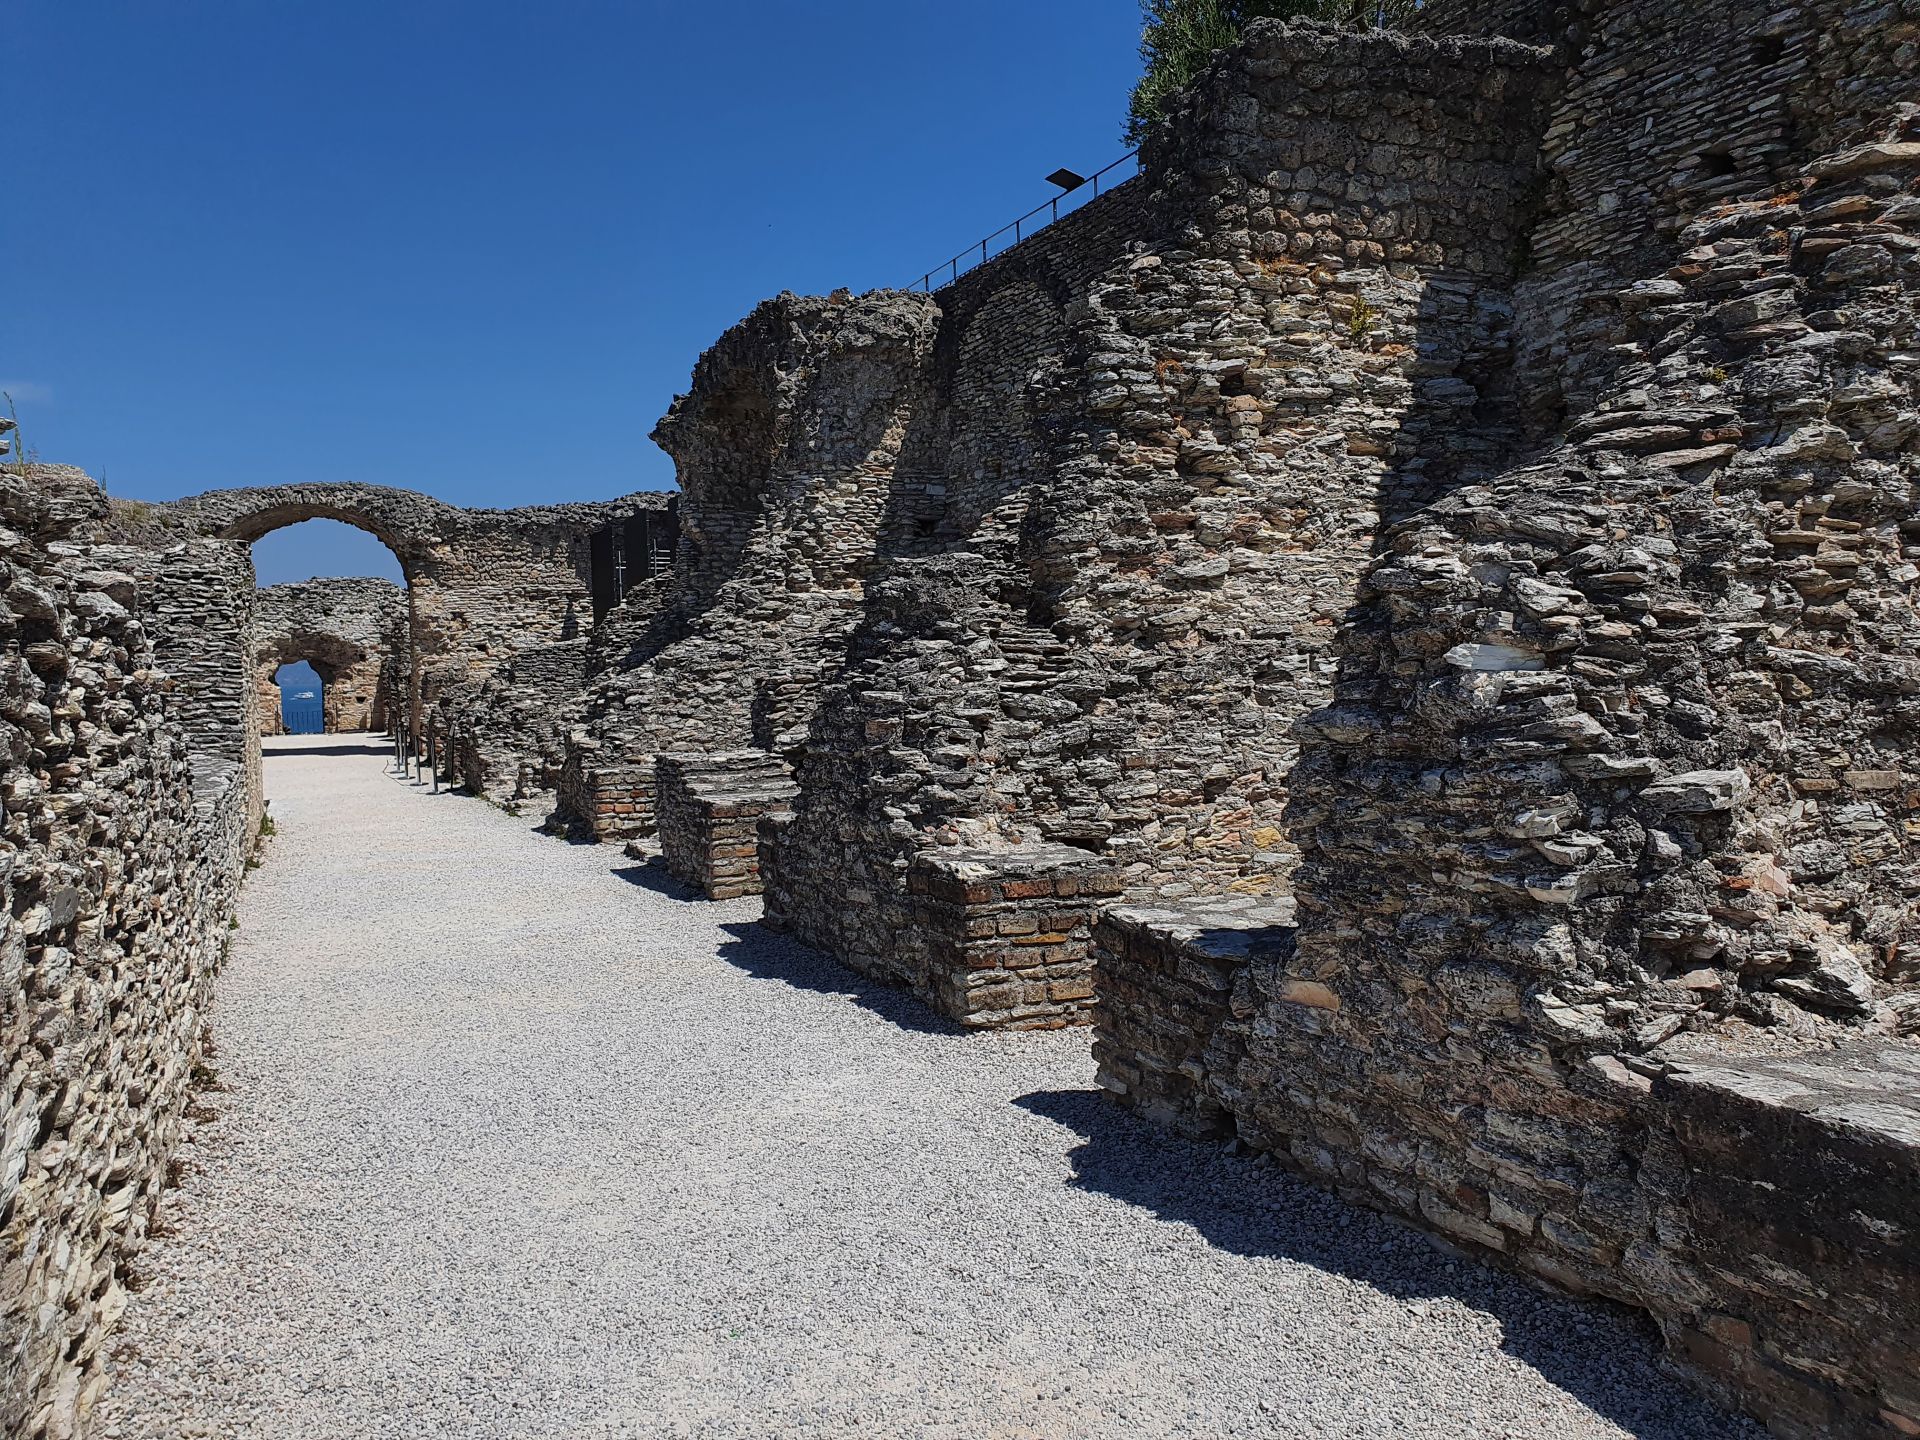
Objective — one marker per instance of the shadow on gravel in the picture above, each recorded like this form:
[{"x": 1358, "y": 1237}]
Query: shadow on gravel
[
  {"x": 656, "y": 879},
  {"x": 769, "y": 956},
  {"x": 1606, "y": 1356},
  {"x": 274, "y": 752}
]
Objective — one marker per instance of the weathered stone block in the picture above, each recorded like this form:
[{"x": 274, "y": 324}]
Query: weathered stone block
[
  {"x": 708, "y": 810},
  {"x": 1007, "y": 933}
]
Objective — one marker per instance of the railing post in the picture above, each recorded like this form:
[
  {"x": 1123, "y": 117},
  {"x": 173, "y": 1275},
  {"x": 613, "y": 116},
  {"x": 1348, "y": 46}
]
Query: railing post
[{"x": 1018, "y": 226}]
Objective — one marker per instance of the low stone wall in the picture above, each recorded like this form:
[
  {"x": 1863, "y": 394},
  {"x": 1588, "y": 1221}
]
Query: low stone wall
[
  {"x": 1782, "y": 1259},
  {"x": 605, "y": 800},
  {"x": 130, "y": 807},
  {"x": 1000, "y": 937},
  {"x": 1008, "y": 933},
  {"x": 709, "y": 808},
  {"x": 1769, "y": 1217},
  {"x": 1166, "y": 976}
]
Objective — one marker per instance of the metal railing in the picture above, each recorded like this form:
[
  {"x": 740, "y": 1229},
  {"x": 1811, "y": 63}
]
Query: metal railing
[{"x": 975, "y": 255}]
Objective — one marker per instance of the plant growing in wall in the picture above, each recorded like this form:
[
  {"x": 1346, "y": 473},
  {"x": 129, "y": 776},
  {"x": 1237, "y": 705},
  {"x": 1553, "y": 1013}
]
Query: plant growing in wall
[{"x": 1178, "y": 37}]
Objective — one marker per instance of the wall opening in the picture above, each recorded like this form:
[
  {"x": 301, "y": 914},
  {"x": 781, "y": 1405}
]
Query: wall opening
[
  {"x": 1717, "y": 162},
  {"x": 302, "y": 698},
  {"x": 333, "y": 651},
  {"x": 627, "y": 554}
]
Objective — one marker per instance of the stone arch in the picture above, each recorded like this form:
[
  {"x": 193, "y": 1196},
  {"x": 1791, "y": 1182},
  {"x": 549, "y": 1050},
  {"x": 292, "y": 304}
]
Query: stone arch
[
  {"x": 408, "y": 523},
  {"x": 417, "y": 528},
  {"x": 483, "y": 586},
  {"x": 356, "y": 692}
]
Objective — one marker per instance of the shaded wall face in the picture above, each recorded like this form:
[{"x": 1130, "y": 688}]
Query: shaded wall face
[
  {"x": 786, "y": 449},
  {"x": 901, "y": 750},
  {"x": 1660, "y": 117},
  {"x": 1280, "y": 374},
  {"x": 1153, "y": 515}
]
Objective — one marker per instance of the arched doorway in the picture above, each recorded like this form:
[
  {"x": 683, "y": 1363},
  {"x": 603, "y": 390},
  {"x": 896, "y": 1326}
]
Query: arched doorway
[
  {"x": 409, "y": 536},
  {"x": 301, "y": 693},
  {"x": 347, "y": 634}
]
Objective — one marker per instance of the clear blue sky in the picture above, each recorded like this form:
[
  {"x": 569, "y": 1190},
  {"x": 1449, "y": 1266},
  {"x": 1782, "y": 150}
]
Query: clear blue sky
[{"x": 474, "y": 248}]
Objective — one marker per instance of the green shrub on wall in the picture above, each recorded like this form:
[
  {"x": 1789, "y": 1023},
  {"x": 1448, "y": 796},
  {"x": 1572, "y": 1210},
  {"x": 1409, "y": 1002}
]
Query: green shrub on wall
[{"x": 1180, "y": 36}]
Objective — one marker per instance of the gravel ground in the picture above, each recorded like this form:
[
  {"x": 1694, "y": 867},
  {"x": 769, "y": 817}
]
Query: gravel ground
[{"x": 516, "y": 1143}]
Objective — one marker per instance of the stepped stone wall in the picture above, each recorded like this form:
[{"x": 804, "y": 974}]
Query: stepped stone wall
[
  {"x": 1161, "y": 506},
  {"x": 786, "y": 449},
  {"x": 131, "y": 797},
  {"x": 350, "y": 630},
  {"x": 1442, "y": 539}
]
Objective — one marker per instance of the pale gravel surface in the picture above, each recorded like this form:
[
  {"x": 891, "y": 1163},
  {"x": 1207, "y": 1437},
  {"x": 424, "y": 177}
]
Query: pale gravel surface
[{"x": 514, "y": 1145}]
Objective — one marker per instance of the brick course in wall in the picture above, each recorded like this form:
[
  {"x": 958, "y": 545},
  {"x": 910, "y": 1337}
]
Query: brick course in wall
[
  {"x": 708, "y": 812},
  {"x": 1005, "y": 934}
]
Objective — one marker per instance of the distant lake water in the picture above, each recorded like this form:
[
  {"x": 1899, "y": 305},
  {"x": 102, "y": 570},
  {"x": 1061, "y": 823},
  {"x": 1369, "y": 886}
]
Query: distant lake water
[
  {"x": 301, "y": 714},
  {"x": 300, "y": 693}
]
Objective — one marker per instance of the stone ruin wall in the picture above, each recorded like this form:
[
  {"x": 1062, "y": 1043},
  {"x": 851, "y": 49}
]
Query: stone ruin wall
[
  {"x": 352, "y": 631},
  {"x": 1402, "y": 616},
  {"x": 483, "y": 588},
  {"x": 1442, "y": 539},
  {"x": 502, "y": 638},
  {"x": 786, "y": 448},
  {"x": 1607, "y": 835},
  {"x": 130, "y": 793},
  {"x": 130, "y": 786},
  {"x": 1190, "y": 475},
  {"x": 1659, "y": 116}
]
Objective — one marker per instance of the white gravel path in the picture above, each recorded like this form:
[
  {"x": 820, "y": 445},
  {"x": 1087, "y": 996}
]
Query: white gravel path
[{"x": 515, "y": 1144}]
